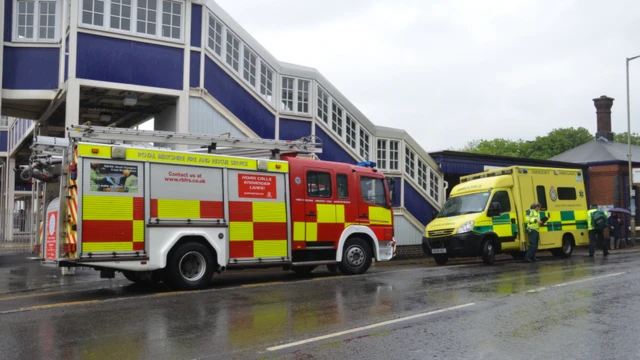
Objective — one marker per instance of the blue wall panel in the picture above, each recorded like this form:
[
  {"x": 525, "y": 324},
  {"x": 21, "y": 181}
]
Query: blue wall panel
[
  {"x": 196, "y": 25},
  {"x": 30, "y": 68},
  {"x": 417, "y": 205},
  {"x": 331, "y": 150},
  {"x": 3, "y": 140},
  {"x": 194, "y": 76},
  {"x": 235, "y": 98},
  {"x": 8, "y": 19},
  {"x": 398, "y": 188},
  {"x": 129, "y": 62},
  {"x": 294, "y": 129}
]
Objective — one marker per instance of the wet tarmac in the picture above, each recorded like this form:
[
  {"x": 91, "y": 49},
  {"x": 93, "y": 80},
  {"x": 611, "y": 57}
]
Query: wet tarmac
[{"x": 577, "y": 308}]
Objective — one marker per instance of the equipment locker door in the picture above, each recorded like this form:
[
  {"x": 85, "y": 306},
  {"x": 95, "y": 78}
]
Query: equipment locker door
[{"x": 112, "y": 208}]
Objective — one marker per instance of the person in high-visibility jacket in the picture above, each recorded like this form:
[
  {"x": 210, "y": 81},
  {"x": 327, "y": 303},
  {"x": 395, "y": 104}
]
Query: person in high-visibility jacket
[
  {"x": 96, "y": 177},
  {"x": 595, "y": 234},
  {"x": 533, "y": 224}
]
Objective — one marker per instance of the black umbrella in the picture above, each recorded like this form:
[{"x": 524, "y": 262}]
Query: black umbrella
[{"x": 619, "y": 210}]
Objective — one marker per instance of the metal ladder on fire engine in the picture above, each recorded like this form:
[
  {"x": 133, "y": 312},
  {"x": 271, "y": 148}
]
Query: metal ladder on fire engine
[{"x": 211, "y": 143}]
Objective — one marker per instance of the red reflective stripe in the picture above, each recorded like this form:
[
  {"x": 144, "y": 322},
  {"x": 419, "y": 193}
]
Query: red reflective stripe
[
  {"x": 154, "y": 208},
  {"x": 241, "y": 249},
  {"x": 240, "y": 211},
  {"x": 138, "y": 208},
  {"x": 138, "y": 246},
  {"x": 330, "y": 232},
  {"x": 270, "y": 231},
  {"x": 211, "y": 210},
  {"x": 107, "y": 230}
]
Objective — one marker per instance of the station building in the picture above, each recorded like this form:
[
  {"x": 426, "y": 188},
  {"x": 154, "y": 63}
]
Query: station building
[{"x": 192, "y": 68}]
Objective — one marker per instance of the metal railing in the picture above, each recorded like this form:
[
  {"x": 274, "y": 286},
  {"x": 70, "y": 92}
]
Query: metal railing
[{"x": 23, "y": 228}]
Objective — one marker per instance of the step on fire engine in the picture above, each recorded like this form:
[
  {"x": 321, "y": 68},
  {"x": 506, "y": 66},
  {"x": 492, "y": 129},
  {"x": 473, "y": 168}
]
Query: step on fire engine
[{"x": 158, "y": 214}]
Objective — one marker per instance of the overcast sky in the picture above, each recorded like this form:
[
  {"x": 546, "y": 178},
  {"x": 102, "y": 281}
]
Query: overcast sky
[{"x": 450, "y": 71}]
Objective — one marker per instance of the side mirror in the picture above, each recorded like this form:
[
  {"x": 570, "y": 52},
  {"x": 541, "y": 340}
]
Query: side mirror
[
  {"x": 434, "y": 214},
  {"x": 494, "y": 209},
  {"x": 391, "y": 185}
]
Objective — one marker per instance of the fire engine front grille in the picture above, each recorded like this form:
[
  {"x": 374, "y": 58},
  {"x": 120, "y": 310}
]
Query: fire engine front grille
[{"x": 439, "y": 233}]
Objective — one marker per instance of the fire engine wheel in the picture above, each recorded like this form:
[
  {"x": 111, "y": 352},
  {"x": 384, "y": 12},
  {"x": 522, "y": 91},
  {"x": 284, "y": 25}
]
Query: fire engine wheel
[
  {"x": 190, "y": 267},
  {"x": 356, "y": 257},
  {"x": 332, "y": 268}
]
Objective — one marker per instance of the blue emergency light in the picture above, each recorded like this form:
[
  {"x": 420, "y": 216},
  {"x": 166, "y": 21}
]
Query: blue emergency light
[{"x": 371, "y": 164}]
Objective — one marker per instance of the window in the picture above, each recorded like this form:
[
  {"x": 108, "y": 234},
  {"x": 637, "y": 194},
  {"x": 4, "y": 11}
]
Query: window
[
  {"x": 410, "y": 162},
  {"x": 147, "y": 17},
  {"x": 36, "y": 20},
  {"x": 215, "y": 36},
  {"x": 336, "y": 119},
  {"x": 351, "y": 132},
  {"x": 542, "y": 197},
  {"x": 121, "y": 15},
  {"x": 364, "y": 144},
  {"x": 382, "y": 154},
  {"x": 422, "y": 175},
  {"x": 171, "y": 15},
  {"x": 287, "y": 94},
  {"x": 4, "y": 121},
  {"x": 47, "y": 25},
  {"x": 394, "y": 163},
  {"x": 318, "y": 184},
  {"x": 233, "y": 51},
  {"x": 434, "y": 189},
  {"x": 342, "y": 183},
  {"x": 323, "y": 106},
  {"x": 266, "y": 82},
  {"x": 373, "y": 191},
  {"x": 250, "y": 61},
  {"x": 502, "y": 197},
  {"x": 93, "y": 12},
  {"x": 303, "y": 96},
  {"x": 565, "y": 193}
]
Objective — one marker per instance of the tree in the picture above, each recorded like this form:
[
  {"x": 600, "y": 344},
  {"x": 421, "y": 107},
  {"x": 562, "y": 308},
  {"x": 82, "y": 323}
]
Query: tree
[
  {"x": 543, "y": 147},
  {"x": 622, "y": 138}
]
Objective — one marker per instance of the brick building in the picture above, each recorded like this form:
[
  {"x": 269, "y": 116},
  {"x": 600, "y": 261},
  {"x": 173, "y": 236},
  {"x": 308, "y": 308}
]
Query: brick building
[{"x": 607, "y": 161}]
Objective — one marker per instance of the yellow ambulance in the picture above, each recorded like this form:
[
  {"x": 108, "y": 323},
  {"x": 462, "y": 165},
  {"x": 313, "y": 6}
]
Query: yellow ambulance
[{"x": 485, "y": 214}]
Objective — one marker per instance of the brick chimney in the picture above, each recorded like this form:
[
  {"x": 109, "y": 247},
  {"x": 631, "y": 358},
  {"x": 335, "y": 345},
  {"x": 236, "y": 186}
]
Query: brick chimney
[{"x": 603, "y": 106}]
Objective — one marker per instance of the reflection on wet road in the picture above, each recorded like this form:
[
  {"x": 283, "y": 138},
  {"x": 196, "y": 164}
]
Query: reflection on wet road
[{"x": 417, "y": 311}]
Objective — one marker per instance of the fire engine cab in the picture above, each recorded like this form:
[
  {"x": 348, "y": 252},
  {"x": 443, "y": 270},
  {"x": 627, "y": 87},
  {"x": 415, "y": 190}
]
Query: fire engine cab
[{"x": 111, "y": 201}]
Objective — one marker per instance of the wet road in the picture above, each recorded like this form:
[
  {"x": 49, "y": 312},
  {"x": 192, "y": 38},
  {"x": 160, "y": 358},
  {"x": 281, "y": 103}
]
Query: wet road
[{"x": 580, "y": 308}]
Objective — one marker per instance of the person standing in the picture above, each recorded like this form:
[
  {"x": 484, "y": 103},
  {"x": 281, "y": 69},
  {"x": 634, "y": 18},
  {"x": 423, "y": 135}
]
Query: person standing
[
  {"x": 596, "y": 230},
  {"x": 615, "y": 231},
  {"x": 533, "y": 225}
]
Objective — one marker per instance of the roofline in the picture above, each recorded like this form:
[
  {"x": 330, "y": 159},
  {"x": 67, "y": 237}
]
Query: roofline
[{"x": 470, "y": 155}]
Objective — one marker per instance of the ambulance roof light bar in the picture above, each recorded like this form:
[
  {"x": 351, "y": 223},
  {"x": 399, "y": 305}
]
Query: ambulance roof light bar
[{"x": 311, "y": 144}]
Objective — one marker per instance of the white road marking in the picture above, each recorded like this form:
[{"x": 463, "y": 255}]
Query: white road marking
[
  {"x": 573, "y": 282},
  {"x": 372, "y": 326}
]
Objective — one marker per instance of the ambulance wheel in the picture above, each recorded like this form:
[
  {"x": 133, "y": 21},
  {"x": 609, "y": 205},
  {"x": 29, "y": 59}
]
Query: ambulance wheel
[
  {"x": 190, "y": 267},
  {"x": 333, "y": 268},
  {"x": 356, "y": 257},
  {"x": 488, "y": 252},
  {"x": 303, "y": 270},
  {"x": 441, "y": 259},
  {"x": 566, "y": 250}
]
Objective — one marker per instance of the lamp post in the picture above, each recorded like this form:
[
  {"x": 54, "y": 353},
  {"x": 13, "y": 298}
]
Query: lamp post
[{"x": 632, "y": 207}]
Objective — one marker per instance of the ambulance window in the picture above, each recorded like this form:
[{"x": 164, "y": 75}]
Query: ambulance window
[
  {"x": 542, "y": 197},
  {"x": 342, "y": 183},
  {"x": 318, "y": 184},
  {"x": 502, "y": 197},
  {"x": 565, "y": 193},
  {"x": 373, "y": 191}
]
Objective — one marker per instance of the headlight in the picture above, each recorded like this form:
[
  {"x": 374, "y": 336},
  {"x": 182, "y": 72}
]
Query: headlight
[{"x": 466, "y": 227}]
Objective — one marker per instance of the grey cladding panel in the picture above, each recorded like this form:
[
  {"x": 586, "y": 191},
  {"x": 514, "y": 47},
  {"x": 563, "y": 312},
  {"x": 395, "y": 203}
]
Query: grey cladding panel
[
  {"x": 185, "y": 183},
  {"x": 203, "y": 119}
]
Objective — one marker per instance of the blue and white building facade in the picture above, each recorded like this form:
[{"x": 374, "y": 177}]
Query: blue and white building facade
[{"x": 188, "y": 65}]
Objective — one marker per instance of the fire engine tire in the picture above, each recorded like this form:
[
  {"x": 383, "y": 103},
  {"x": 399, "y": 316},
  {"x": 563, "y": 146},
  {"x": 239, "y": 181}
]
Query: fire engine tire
[
  {"x": 441, "y": 259},
  {"x": 333, "y": 268},
  {"x": 303, "y": 270},
  {"x": 488, "y": 252},
  {"x": 143, "y": 278},
  {"x": 356, "y": 257},
  {"x": 190, "y": 267},
  {"x": 129, "y": 275}
]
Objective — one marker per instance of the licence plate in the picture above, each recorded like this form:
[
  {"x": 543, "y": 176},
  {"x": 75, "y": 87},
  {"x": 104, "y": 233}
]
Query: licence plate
[{"x": 439, "y": 251}]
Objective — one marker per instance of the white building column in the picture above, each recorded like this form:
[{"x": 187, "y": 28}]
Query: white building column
[
  {"x": 10, "y": 190},
  {"x": 72, "y": 111}
]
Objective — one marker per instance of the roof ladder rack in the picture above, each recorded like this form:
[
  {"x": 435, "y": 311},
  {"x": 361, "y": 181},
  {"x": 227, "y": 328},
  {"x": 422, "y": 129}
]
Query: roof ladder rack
[{"x": 309, "y": 144}]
